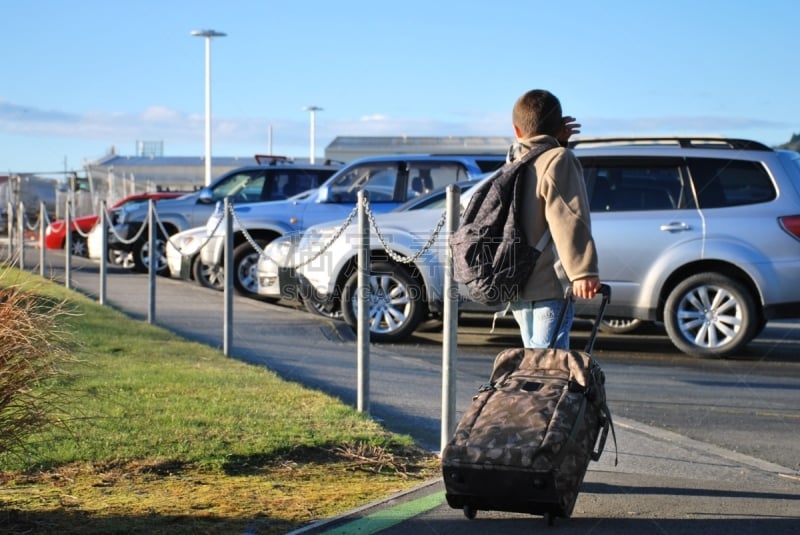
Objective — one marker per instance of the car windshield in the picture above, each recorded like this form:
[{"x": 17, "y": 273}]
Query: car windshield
[
  {"x": 395, "y": 181},
  {"x": 435, "y": 199},
  {"x": 240, "y": 187}
]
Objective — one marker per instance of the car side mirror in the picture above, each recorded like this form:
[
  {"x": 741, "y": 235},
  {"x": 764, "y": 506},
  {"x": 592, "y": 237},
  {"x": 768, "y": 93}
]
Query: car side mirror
[
  {"x": 324, "y": 194},
  {"x": 205, "y": 197}
]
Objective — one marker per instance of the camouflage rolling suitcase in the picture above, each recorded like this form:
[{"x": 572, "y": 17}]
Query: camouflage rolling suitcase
[{"x": 525, "y": 442}]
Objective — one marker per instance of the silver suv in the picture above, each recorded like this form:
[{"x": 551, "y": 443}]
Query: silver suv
[{"x": 702, "y": 234}]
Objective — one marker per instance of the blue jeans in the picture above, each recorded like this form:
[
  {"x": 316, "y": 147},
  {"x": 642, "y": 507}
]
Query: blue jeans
[{"x": 538, "y": 321}]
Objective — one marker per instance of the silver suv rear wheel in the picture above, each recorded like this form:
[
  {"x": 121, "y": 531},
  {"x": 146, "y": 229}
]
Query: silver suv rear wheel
[{"x": 710, "y": 315}]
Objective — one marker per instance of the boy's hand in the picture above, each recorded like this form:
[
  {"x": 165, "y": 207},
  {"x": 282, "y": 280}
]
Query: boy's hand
[
  {"x": 586, "y": 288},
  {"x": 568, "y": 128}
]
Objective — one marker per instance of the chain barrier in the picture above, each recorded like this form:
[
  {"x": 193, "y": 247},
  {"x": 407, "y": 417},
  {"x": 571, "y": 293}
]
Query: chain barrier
[
  {"x": 339, "y": 231},
  {"x": 84, "y": 235},
  {"x": 263, "y": 254},
  {"x": 129, "y": 241},
  {"x": 35, "y": 226},
  {"x": 174, "y": 245},
  {"x": 400, "y": 258}
]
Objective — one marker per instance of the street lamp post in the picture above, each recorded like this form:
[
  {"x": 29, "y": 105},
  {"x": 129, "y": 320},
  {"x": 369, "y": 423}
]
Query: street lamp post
[
  {"x": 312, "y": 135},
  {"x": 208, "y": 34}
]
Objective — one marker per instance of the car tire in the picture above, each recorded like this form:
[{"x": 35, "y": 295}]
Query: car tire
[
  {"x": 141, "y": 256},
  {"x": 245, "y": 264},
  {"x": 395, "y": 303},
  {"x": 212, "y": 277},
  {"x": 79, "y": 247},
  {"x": 619, "y": 325},
  {"x": 120, "y": 258},
  {"x": 318, "y": 308},
  {"x": 710, "y": 315}
]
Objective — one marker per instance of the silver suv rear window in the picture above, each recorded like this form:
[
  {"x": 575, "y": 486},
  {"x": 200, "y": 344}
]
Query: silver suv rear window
[{"x": 722, "y": 182}]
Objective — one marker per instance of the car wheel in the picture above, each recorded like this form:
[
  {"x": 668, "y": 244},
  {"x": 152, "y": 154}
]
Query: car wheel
[
  {"x": 710, "y": 315},
  {"x": 326, "y": 310},
  {"x": 245, "y": 266},
  {"x": 123, "y": 259},
  {"x": 616, "y": 325},
  {"x": 208, "y": 276},
  {"x": 141, "y": 256},
  {"x": 79, "y": 247},
  {"x": 394, "y": 301}
]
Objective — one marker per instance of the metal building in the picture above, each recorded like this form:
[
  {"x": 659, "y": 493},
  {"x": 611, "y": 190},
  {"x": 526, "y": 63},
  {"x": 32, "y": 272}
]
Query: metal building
[{"x": 347, "y": 148}]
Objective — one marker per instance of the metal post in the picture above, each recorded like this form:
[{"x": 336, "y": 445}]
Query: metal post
[
  {"x": 312, "y": 134},
  {"x": 363, "y": 305},
  {"x": 11, "y": 222},
  {"x": 103, "y": 251},
  {"x": 42, "y": 219},
  {"x": 68, "y": 244},
  {"x": 152, "y": 264},
  {"x": 208, "y": 35},
  {"x": 21, "y": 231},
  {"x": 207, "y": 174},
  {"x": 227, "y": 335},
  {"x": 450, "y": 338}
]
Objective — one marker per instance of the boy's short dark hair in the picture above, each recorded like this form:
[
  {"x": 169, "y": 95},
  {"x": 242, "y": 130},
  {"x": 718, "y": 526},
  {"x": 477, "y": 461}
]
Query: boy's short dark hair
[{"x": 538, "y": 112}]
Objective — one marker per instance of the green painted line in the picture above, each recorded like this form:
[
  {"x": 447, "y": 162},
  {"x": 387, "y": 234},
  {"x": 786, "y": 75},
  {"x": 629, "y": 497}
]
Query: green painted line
[{"x": 387, "y": 518}]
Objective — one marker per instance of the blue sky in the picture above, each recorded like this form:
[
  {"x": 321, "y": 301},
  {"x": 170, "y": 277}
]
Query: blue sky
[{"x": 79, "y": 77}]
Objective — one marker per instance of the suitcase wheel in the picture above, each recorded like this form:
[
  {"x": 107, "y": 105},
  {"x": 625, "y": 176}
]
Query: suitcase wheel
[
  {"x": 470, "y": 512},
  {"x": 550, "y": 518}
]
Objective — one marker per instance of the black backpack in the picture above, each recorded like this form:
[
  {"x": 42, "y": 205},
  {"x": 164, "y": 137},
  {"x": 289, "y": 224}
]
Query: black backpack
[{"x": 491, "y": 255}]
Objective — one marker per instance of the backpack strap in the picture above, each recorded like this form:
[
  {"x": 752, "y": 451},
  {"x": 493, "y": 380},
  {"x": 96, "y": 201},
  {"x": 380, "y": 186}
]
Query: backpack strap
[{"x": 544, "y": 240}]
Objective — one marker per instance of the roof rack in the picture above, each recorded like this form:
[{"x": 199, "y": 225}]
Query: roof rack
[
  {"x": 270, "y": 159},
  {"x": 682, "y": 141}
]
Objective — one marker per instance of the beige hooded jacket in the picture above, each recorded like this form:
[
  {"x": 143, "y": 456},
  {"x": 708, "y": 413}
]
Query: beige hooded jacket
[{"x": 555, "y": 196}]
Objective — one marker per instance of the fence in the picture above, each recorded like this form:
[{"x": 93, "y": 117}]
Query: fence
[{"x": 363, "y": 217}]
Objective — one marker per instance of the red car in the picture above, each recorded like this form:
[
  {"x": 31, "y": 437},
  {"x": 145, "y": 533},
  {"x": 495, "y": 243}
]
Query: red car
[{"x": 55, "y": 236}]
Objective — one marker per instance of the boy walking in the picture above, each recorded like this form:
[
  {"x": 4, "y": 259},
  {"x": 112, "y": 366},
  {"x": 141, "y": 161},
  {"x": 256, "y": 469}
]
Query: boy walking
[{"x": 554, "y": 198}]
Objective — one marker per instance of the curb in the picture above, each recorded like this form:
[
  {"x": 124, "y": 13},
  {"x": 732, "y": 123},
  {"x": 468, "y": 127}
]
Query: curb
[{"x": 400, "y": 497}]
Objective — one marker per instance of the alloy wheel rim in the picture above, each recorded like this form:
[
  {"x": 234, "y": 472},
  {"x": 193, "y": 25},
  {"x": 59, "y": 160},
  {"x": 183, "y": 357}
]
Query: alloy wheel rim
[
  {"x": 709, "y": 316},
  {"x": 388, "y": 304}
]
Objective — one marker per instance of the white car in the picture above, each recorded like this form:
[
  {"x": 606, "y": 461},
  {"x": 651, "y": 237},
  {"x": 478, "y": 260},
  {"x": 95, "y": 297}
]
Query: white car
[
  {"x": 293, "y": 268},
  {"x": 94, "y": 249},
  {"x": 183, "y": 258}
]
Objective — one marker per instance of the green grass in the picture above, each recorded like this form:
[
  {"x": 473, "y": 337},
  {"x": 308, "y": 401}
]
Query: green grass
[{"x": 136, "y": 395}]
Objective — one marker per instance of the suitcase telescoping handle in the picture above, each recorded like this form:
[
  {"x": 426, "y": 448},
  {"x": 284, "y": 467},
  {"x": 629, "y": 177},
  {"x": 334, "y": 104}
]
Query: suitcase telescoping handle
[{"x": 605, "y": 292}]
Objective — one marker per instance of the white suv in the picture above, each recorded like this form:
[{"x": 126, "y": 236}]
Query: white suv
[{"x": 702, "y": 234}]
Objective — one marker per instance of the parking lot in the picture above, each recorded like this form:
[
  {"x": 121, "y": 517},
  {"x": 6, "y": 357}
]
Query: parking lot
[
  {"x": 702, "y": 444},
  {"x": 746, "y": 403}
]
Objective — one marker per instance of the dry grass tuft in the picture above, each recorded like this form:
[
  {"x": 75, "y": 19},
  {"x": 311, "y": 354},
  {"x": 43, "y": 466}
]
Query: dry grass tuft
[{"x": 32, "y": 346}]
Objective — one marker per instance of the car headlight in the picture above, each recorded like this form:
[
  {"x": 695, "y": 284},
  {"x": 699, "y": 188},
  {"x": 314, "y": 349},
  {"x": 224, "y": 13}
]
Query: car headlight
[
  {"x": 278, "y": 251},
  {"x": 186, "y": 244}
]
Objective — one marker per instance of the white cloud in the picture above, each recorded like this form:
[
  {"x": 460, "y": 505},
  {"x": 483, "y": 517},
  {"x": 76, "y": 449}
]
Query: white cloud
[
  {"x": 158, "y": 114},
  {"x": 180, "y": 130}
]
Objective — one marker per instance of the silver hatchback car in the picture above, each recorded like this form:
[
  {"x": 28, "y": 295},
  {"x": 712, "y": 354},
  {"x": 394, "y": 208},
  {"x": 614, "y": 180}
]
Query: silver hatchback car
[{"x": 702, "y": 234}]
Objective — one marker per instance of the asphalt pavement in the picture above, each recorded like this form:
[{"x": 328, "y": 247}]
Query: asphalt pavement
[{"x": 663, "y": 483}]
